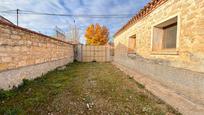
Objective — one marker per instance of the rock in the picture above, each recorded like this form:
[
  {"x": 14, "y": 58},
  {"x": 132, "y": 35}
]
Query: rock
[
  {"x": 88, "y": 106},
  {"x": 92, "y": 104},
  {"x": 83, "y": 99},
  {"x": 130, "y": 97},
  {"x": 50, "y": 113},
  {"x": 62, "y": 68},
  {"x": 131, "y": 77}
]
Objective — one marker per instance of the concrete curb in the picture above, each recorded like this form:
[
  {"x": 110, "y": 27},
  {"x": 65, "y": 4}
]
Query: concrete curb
[
  {"x": 177, "y": 101},
  {"x": 14, "y": 77}
]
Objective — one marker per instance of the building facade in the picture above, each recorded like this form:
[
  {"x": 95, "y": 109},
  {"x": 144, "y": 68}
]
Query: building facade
[{"x": 166, "y": 41}]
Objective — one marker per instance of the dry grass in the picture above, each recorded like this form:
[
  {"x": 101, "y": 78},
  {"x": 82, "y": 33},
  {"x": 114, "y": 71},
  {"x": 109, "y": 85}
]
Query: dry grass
[{"x": 83, "y": 88}]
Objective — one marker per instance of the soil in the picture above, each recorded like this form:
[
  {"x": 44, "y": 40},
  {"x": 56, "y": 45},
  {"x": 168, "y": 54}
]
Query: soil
[{"x": 83, "y": 89}]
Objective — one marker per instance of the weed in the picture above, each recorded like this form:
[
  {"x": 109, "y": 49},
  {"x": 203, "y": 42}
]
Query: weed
[
  {"x": 23, "y": 85},
  {"x": 3, "y": 94},
  {"x": 11, "y": 111},
  {"x": 6, "y": 94},
  {"x": 70, "y": 90},
  {"x": 141, "y": 86}
]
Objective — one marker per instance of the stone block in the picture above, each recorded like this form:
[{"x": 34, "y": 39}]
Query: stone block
[
  {"x": 5, "y": 30},
  {"x": 18, "y": 37},
  {"x": 3, "y": 66},
  {"x": 6, "y": 59},
  {"x": 23, "y": 48}
]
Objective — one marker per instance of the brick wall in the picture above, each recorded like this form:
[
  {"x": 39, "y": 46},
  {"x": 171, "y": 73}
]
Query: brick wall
[{"x": 22, "y": 48}]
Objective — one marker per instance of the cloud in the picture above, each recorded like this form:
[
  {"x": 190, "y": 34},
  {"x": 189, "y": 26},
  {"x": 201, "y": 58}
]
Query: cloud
[{"x": 46, "y": 24}]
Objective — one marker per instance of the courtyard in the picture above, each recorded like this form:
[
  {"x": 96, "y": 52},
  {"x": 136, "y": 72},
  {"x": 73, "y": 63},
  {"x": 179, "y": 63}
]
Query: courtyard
[{"x": 83, "y": 88}]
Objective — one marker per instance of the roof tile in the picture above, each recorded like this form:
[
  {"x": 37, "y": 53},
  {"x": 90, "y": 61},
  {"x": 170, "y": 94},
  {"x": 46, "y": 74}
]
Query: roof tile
[{"x": 151, "y": 6}]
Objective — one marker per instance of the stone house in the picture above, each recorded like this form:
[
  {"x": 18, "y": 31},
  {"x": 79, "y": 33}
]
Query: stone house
[{"x": 165, "y": 40}]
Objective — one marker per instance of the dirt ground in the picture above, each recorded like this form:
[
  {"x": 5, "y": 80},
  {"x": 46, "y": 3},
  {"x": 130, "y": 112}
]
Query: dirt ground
[{"x": 83, "y": 88}]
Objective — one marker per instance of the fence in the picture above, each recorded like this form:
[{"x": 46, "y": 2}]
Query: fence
[{"x": 89, "y": 53}]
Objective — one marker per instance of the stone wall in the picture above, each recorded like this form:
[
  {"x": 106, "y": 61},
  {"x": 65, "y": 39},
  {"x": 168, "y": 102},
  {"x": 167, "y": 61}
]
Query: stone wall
[
  {"x": 190, "y": 42},
  {"x": 22, "y": 50},
  {"x": 182, "y": 72}
]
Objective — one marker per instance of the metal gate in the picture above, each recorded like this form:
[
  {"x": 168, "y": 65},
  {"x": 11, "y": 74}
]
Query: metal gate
[{"x": 87, "y": 53}]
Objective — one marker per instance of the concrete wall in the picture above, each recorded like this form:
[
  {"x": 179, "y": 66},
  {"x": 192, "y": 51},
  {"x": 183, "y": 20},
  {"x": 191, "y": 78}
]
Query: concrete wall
[
  {"x": 182, "y": 69},
  {"x": 184, "y": 82},
  {"x": 26, "y": 54},
  {"x": 88, "y": 53}
]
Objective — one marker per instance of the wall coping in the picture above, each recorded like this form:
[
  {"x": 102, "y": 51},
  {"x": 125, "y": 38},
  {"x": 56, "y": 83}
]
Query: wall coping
[
  {"x": 31, "y": 31},
  {"x": 149, "y": 8}
]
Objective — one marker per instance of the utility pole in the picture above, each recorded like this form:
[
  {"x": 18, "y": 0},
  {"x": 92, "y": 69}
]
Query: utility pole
[
  {"x": 74, "y": 30},
  {"x": 17, "y": 12}
]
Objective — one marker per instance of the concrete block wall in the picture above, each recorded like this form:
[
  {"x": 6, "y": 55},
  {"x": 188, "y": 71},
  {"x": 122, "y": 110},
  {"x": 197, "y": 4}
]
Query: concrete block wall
[
  {"x": 25, "y": 54},
  {"x": 88, "y": 53}
]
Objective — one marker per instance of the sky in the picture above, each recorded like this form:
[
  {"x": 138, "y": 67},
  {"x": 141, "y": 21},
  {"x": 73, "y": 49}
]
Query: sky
[{"x": 46, "y": 24}]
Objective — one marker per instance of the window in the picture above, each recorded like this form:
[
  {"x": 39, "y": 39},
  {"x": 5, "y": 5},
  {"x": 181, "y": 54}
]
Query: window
[
  {"x": 131, "y": 44},
  {"x": 165, "y": 35}
]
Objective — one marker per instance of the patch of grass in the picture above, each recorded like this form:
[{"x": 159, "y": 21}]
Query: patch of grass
[
  {"x": 140, "y": 85},
  {"x": 5, "y": 94},
  {"x": 26, "y": 97},
  {"x": 22, "y": 86},
  {"x": 8, "y": 94},
  {"x": 11, "y": 111},
  {"x": 82, "y": 88}
]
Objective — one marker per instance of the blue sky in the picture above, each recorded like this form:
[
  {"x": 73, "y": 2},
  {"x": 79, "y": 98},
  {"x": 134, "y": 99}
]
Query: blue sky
[{"x": 46, "y": 24}]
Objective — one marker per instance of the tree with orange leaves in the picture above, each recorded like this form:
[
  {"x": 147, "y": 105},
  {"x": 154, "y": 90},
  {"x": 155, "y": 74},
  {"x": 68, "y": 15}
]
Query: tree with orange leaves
[{"x": 96, "y": 35}]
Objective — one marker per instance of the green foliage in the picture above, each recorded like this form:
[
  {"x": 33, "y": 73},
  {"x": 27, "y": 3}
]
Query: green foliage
[
  {"x": 6, "y": 94},
  {"x": 11, "y": 111},
  {"x": 25, "y": 83},
  {"x": 3, "y": 94}
]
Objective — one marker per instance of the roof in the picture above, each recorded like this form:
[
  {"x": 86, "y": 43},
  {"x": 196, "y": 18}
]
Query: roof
[
  {"x": 150, "y": 7},
  {"x": 5, "y": 20}
]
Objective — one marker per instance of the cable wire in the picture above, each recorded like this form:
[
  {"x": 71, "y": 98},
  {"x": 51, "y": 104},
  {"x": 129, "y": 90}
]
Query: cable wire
[{"x": 24, "y": 12}]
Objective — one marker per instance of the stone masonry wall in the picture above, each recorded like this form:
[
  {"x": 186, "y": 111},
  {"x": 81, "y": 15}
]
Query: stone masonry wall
[
  {"x": 190, "y": 40},
  {"x": 182, "y": 72},
  {"x": 22, "y": 48}
]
